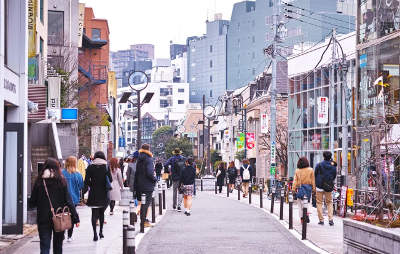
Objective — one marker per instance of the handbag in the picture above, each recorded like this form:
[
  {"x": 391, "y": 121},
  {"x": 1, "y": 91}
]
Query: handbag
[
  {"x": 327, "y": 186},
  {"x": 61, "y": 218}
]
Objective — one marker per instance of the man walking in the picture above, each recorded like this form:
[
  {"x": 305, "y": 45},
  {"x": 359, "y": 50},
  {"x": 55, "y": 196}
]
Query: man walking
[
  {"x": 177, "y": 163},
  {"x": 325, "y": 175},
  {"x": 145, "y": 180},
  {"x": 131, "y": 171}
]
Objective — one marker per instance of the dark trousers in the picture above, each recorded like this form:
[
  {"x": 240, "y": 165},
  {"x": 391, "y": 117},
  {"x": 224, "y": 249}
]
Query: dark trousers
[
  {"x": 145, "y": 207},
  {"x": 112, "y": 205},
  {"x": 220, "y": 188},
  {"x": 45, "y": 234},
  {"x": 70, "y": 231},
  {"x": 98, "y": 214}
]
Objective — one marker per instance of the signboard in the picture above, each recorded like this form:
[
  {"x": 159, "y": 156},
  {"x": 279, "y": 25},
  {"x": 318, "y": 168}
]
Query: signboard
[
  {"x": 69, "y": 114},
  {"x": 54, "y": 90},
  {"x": 273, "y": 153},
  {"x": 121, "y": 142},
  {"x": 264, "y": 123},
  {"x": 81, "y": 21},
  {"x": 226, "y": 136},
  {"x": 240, "y": 141},
  {"x": 363, "y": 61},
  {"x": 250, "y": 140},
  {"x": 322, "y": 110},
  {"x": 343, "y": 204},
  {"x": 54, "y": 113},
  {"x": 350, "y": 197},
  {"x": 32, "y": 28},
  {"x": 273, "y": 170}
]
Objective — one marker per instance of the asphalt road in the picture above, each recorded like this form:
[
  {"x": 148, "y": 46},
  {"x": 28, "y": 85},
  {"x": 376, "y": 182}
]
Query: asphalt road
[{"x": 219, "y": 225}]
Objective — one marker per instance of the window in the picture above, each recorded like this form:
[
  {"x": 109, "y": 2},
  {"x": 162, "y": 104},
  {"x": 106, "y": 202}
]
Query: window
[
  {"x": 253, "y": 55},
  {"x": 129, "y": 126},
  {"x": 129, "y": 105},
  {"x": 41, "y": 46},
  {"x": 164, "y": 103},
  {"x": 211, "y": 79},
  {"x": 181, "y": 102},
  {"x": 165, "y": 91},
  {"x": 211, "y": 63},
  {"x": 181, "y": 90},
  {"x": 41, "y": 10},
  {"x": 211, "y": 48},
  {"x": 55, "y": 28},
  {"x": 238, "y": 43},
  {"x": 238, "y": 26},
  {"x": 96, "y": 34},
  {"x": 211, "y": 93},
  {"x": 253, "y": 39}
]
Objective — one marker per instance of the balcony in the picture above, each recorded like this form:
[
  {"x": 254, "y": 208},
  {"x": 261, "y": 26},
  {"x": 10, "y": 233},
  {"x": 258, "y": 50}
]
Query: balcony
[{"x": 95, "y": 71}]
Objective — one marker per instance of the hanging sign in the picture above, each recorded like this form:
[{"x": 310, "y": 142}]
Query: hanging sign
[
  {"x": 54, "y": 90},
  {"x": 264, "y": 123},
  {"x": 323, "y": 110},
  {"x": 226, "y": 136},
  {"x": 81, "y": 21},
  {"x": 273, "y": 153},
  {"x": 343, "y": 202},
  {"x": 240, "y": 141},
  {"x": 250, "y": 140}
]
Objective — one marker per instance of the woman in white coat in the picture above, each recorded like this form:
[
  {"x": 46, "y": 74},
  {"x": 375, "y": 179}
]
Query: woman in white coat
[{"x": 117, "y": 183}]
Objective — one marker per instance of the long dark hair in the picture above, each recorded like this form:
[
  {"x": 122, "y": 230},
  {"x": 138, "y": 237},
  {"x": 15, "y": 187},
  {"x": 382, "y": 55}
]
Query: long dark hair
[{"x": 54, "y": 166}]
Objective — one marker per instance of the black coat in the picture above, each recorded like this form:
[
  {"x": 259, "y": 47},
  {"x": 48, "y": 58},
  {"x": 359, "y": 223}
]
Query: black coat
[
  {"x": 188, "y": 175},
  {"x": 158, "y": 168},
  {"x": 221, "y": 177},
  {"x": 325, "y": 171},
  {"x": 232, "y": 174},
  {"x": 95, "y": 180},
  {"x": 59, "y": 197},
  {"x": 144, "y": 175}
]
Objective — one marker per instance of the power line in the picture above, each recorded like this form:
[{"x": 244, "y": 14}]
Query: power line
[{"x": 303, "y": 21}]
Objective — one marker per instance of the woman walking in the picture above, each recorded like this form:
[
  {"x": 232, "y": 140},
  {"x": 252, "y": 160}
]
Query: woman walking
[
  {"x": 221, "y": 173},
  {"x": 75, "y": 184},
  {"x": 232, "y": 175},
  {"x": 98, "y": 179},
  {"x": 186, "y": 182},
  {"x": 50, "y": 186},
  {"x": 117, "y": 184},
  {"x": 246, "y": 173},
  {"x": 304, "y": 184}
]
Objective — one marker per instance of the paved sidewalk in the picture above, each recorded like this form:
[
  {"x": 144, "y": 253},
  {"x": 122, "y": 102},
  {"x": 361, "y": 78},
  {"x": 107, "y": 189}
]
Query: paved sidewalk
[
  {"x": 328, "y": 238},
  {"x": 220, "y": 226}
]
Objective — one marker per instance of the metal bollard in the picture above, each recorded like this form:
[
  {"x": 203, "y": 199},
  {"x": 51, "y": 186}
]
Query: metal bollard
[
  {"x": 281, "y": 207},
  {"x": 272, "y": 199},
  {"x": 250, "y": 191},
  {"x": 238, "y": 192},
  {"x": 261, "y": 195},
  {"x": 201, "y": 184},
  {"x": 304, "y": 225},
  {"x": 163, "y": 197},
  {"x": 159, "y": 203},
  {"x": 290, "y": 210},
  {"x": 130, "y": 240},
  {"x": 125, "y": 224},
  {"x": 142, "y": 213},
  {"x": 227, "y": 190},
  {"x": 215, "y": 187},
  {"x": 153, "y": 210},
  {"x": 132, "y": 213}
]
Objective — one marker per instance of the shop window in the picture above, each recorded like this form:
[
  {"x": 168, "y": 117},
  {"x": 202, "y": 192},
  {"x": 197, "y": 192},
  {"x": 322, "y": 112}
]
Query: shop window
[{"x": 181, "y": 102}]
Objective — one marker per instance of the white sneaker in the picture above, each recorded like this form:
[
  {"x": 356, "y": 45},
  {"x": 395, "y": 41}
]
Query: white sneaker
[{"x": 69, "y": 239}]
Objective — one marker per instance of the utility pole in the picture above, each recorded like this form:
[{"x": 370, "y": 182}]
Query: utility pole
[
  {"x": 345, "y": 95},
  {"x": 208, "y": 147},
  {"x": 204, "y": 123},
  {"x": 331, "y": 95},
  {"x": 139, "y": 125},
  {"x": 272, "y": 90}
]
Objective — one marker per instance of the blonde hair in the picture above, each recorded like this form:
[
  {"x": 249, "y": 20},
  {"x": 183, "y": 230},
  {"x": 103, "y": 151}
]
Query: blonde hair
[{"x": 70, "y": 164}]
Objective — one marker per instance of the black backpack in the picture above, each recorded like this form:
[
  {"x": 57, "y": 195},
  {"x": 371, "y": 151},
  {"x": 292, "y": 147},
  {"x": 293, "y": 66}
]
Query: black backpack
[{"x": 178, "y": 166}]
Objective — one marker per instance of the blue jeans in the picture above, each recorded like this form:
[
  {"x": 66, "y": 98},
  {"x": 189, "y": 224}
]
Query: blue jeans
[{"x": 45, "y": 233}]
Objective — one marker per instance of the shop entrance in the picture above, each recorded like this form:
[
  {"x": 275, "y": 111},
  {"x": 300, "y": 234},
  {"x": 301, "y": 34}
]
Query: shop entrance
[{"x": 13, "y": 178}]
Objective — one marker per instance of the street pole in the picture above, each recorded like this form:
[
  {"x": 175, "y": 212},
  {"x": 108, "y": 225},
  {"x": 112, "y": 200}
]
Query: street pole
[
  {"x": 208, "y": 147},
  {"x": 331, "y": 96},
  {"x": 204, "y": 122},
  {"x": 275, "y": 15},
  {"x": 345, "y": 127},
  {"x": 139, "y": 132},
  {"x": 245, "y": 130}
]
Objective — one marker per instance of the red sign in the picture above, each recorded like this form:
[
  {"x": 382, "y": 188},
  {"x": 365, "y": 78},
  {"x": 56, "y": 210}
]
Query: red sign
[{"x": 250, "y": 140}]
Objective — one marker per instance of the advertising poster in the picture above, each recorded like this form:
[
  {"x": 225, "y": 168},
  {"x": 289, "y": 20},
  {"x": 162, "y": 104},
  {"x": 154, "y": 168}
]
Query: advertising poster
[
  {"x": 250, "y": 140},
  {"x": 264, "y": 123},
  {"x": 323, "y": 110},
  {"x": 240, "y": 141}
]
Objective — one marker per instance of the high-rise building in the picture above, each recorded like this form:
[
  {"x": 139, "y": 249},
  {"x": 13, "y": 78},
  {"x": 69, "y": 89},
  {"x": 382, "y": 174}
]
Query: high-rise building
[{"x": 207, "y": 62}]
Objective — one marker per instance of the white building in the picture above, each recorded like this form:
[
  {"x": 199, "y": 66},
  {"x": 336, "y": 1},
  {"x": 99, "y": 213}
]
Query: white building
[
  {"x": 180, "y": 68},
  {"x": 13, "y": 114}
]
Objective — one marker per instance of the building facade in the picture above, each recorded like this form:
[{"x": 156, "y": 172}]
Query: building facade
[
  {"x": 13, "y": 114},
  {"x": 176, "y": 50},
  {"x": 207, "y": 62}
]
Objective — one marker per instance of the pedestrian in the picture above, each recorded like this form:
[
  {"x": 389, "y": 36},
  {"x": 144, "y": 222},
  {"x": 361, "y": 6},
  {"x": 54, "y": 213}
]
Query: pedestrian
[
  {"x": 186, "y": 182},
  {"x": 221, "y": 174},
  {"x": 117, "y": 184},
  {"x": 50, "y": 190},
  {"x": 158, "y": 167},
  {"x": 232, "y": 175},
  {"x": 304, "y": 184},
  {"x": 98, "y": 179},
  {"x": 130, "y": 173},
  {"x": 246, "y": 173},
  {"x": 177, "y": 164},
  {"x": 145, "y": 181},
  {"x": 325, "y": 175},
  {"x": 75, "y": 184}
]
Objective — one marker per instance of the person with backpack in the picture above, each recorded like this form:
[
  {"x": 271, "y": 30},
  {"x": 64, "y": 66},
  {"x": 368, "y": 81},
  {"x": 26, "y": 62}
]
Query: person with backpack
[
  {"x": 75, "y": 184},
  {"x": 221, "y": 174},
  {"x": 177, "y": 164},
  {"x": 246, "y": 173},
  {"x": 325, "y": 175},
  {"x": 232, "y": 175}
]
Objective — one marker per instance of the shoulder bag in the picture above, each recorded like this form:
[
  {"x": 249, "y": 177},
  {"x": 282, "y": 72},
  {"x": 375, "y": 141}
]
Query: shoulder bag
[{"x": 61, "y": 218}]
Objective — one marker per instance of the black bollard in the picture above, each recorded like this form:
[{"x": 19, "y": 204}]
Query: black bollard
[
  {"x": 201, "y": 184},
  {"x": 142, "y": 213},
  {"x": 227, "y": 190},
  {"x": 239, "y": 193},
  {"x": 125, "y": 224},
  {"x": 281, "y": 207},
  {"x": 163, "y": 197},
  {"x": 272, "y": 199},
  {"x": 130, "y": 240},
  {"x": 261, "y": 196},
  {"x": 215, "y": 187},
  {"x": 304, "y": 225},
  {"x": 153, "y": 210},
  {"x": 160, "y": 203},
  {"x": 132, "y": 213},
  {"x": 250, "y": 191},
  {"x": 290, "y": 210}
]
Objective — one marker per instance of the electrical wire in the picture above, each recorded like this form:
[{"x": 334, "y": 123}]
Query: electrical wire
[
  {"x": 310, "y": 49},
  {"x": 313, "y": 12},
  {"x": 303, "y": 21}
]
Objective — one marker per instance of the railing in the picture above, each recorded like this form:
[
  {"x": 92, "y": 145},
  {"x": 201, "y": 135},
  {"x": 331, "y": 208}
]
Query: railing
[{"x": 95, "y": 71}]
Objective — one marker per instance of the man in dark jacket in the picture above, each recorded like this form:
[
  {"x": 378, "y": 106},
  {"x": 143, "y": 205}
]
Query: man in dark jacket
[
  {"x": 325, "y": 175},
  {"x": 145, "y": 180},
  {"x": 130, "y": 172},
  {"x": 177, "y": 163}
]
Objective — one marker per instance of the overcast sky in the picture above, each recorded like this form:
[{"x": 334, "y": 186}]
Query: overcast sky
[{"x": 157, "y": 21}]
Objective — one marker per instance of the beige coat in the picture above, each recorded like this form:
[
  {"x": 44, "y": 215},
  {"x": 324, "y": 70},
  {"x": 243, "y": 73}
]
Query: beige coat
[{"x": 304, "y": 176}]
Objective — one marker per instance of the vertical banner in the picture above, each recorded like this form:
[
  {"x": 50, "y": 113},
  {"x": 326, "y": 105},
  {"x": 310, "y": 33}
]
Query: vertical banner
[
  {"x": 250, "y": 140},
  {"x": 226, "y": 136},
  {"x": 264, "y": 123},
  {"x": 240, "y": 141},
  {"x": 322, "y": 110},
  {"x": 273, "y": 159},
  {"x": 112, "y": 84},
  {"x": 81, "y": 21},
  {"x": 32, "y": 61},
  {"x": 54, "y": 90}
]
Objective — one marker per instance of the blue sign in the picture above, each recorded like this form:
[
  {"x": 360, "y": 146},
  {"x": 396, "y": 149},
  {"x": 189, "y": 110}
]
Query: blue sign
[
  {"x": 121, "y": 142},
  {"x": 69, "y": 114},
  {"x": 363, "y": 61}
]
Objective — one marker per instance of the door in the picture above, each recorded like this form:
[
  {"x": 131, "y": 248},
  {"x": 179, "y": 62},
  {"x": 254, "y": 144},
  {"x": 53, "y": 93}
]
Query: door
[{"x": 12, "y": 178}]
